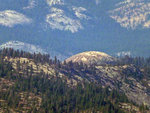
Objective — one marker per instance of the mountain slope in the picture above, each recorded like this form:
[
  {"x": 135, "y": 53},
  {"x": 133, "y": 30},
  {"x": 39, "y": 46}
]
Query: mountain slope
[
  {"x": 114, "y": 76},
  {"x": 129, "y": 79},
  {"x": 132, "y": 14}
]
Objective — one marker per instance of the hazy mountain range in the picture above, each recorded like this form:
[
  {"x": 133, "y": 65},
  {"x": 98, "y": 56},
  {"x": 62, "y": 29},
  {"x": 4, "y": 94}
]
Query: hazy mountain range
[{"x": 64, "y": 28}]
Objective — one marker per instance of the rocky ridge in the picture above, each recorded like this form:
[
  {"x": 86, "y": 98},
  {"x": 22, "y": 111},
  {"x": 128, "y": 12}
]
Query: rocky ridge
[
  {"x": 119, "y": 77},
  {"x": 91, "y": 58}
]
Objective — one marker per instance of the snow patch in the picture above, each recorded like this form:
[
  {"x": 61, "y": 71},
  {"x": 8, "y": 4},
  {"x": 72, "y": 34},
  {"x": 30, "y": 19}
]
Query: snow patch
[
  {"x": 55, "y": 2},
  {"x": 79, "y": 12},
  {"x": 97, "y": 2},
  {"x": 57, "y": 19},
  {"x": 32, "y": 4},
  {"x": 132, "y": 14},
  {"x": 124, "y": 53},
  {"x": 10, "y": 18}
]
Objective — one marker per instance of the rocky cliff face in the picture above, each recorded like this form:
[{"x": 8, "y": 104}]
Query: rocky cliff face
[{"x": 116, "y": 77}]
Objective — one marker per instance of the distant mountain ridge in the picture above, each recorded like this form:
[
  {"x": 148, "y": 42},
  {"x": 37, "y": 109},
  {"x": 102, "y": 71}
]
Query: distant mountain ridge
[
  {"x": 17, "y": 45},
  {"x": 70, "y": 27},
  {"x": 132, "y": 14}
]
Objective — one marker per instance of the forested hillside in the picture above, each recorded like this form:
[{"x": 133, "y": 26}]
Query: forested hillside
[{"x": 35, "y": 83}]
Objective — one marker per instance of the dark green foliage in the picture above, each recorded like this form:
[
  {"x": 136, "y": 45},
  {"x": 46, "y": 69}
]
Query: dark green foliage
[
  {"x": 139, "y": 63},
  {"x": 37, "y": 57},
  {"x": 5, "y": 68},
  {"x": 56, "y": 95}
]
